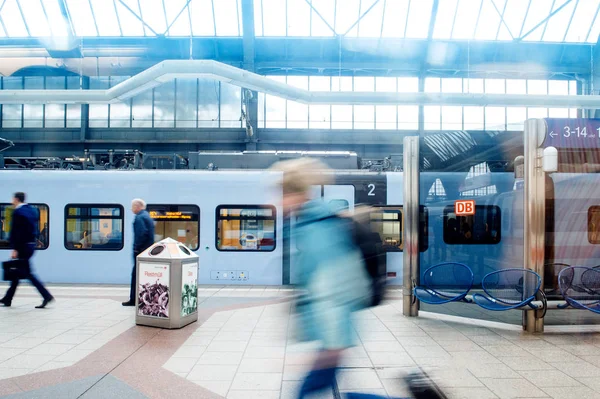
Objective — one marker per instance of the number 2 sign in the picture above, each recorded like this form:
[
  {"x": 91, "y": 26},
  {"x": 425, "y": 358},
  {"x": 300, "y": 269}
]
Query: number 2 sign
[{"x": 464, "y": 208}]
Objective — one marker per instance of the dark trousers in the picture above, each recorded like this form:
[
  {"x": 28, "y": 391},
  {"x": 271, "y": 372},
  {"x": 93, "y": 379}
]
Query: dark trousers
[
  {"x": 319, "y": 380},
  {"x": 25, "y": 256},
  {"x": 133, "y": 279}
]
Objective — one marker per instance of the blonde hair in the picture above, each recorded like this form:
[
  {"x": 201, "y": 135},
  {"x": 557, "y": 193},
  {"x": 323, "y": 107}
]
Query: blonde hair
[{"x": 299, "y": 174}]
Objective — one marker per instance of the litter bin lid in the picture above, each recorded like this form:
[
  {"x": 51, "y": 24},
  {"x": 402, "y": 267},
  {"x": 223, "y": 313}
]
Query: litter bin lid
[{"x": 168, "y": 249}]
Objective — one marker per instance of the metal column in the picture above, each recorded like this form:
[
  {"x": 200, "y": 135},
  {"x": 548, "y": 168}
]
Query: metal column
[
  {"x": 410, "y": 233},
  {"x": 535, "y": 210}
]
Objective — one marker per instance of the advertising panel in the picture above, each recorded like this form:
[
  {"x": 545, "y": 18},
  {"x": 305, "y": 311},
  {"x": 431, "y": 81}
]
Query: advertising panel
[
  {"x": 153, "y": 289},
  {"x": 189, "y": 289}
]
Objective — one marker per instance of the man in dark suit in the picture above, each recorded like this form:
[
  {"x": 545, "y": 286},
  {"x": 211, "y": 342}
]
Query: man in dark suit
[
  {"x": 23, "y": 236},
  {"x": 143, "y": 238}
]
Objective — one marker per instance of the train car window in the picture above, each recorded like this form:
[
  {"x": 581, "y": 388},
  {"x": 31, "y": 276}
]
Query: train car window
[
  {"x": 388, "y": 222},
  {"x": 482, "y": 228},
  {"x": 179, "y": 222},
  {"x": 594, "y": 225},
  {"x": 246, "y": 228},
  {"x": 6, "y": 211},
  {"x": 94, "y": 227}
]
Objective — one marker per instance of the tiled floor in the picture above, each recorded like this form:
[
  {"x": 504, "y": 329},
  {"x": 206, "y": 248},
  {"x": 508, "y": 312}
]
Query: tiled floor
[{"x": 244, "y": 347}]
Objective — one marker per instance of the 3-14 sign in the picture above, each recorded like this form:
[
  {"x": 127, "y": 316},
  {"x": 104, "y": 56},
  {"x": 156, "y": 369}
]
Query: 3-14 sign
[{"x": 464, "y": 208}]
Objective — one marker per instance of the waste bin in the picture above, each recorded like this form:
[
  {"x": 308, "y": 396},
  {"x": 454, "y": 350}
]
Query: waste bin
[{"x": 167, "y": 285}]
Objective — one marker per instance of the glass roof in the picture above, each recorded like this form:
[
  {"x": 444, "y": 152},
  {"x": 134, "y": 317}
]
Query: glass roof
[{"x": 575, "y": 21}]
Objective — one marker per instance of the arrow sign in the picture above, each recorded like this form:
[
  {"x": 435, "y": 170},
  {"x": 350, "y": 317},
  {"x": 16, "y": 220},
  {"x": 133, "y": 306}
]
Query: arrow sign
[{"x": 552, "y": 134}]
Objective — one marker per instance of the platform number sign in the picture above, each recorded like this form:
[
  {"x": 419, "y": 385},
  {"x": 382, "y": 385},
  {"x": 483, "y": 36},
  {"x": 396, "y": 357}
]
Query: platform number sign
[
  {"x": 572, "y": 133},
  {"x": 464, "y": 208}
]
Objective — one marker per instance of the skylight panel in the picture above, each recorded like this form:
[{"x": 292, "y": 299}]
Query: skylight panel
[
  {"x": 130, "y": 24},
  {"x": 489, "y": 20},
  {"x": 418, "y": 19},
  {"x": 106, "y": 18},
  {"x": 298, "y": 15},
  {"x": 445, "y": 19},
  {"x": 203, "y": 23},
  {"x": 347, "y": 14},
  {"x": 559, "y": 22},
  {"x": 466, "y": 18},
  {"x": 59, "y": 26},
  {"x": 327, "y": 10},
  {"x": 274, "y": 18},
  {"x": 178, "y": 20},
  {"x": 13, "y": 22},
  {"x": 538, "y": 11},
  {"x": 370, "y": 24},
  {"x": 394, "y": 18},
  {"x": 226, "y": 20},
  {"x": 582, "y": 21},
  {"x": 515, "y": 14},
  {"x": 153, "y": 14}
]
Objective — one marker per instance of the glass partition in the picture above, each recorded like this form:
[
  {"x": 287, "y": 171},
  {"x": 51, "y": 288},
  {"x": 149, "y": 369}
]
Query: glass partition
[{"x": 472, "y": 167}]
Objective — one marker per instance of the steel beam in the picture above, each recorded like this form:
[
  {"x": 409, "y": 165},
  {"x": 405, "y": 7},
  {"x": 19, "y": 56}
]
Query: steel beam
[
  {"x": 553, "y": 13},
  {"x": 65, "y": 12},
  {"x": 177, "y": 17},
  {"x": 320, "y": 16},
  {"x": 425, "y": 55},
  {"x": 502, "y": 21},
  {"x": 24, "y": 19},
  {"x": 250, "y": 104},
  {"x": 138, "y": 17},
  {"x": 362, "y": 16}
]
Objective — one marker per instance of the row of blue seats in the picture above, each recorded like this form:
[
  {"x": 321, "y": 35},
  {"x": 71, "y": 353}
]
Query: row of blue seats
[
  {"x": 508, "y": 288},
  {"x": 502, "y": 289}
]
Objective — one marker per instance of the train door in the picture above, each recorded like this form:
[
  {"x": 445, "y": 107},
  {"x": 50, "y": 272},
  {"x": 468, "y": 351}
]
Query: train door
[{"x": 315, "y": 193}]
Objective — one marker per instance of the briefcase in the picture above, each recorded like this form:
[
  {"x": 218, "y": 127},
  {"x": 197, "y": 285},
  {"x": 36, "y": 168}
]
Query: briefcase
[{"x": 13, "y": 269}]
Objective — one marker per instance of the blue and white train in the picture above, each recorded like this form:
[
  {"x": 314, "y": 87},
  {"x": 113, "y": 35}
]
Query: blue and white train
[{"x": 234, "y": 221}]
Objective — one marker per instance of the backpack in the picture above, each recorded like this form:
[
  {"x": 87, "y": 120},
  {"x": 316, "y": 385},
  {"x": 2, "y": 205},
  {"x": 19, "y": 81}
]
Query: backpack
[{"x": 371, "y": 249}]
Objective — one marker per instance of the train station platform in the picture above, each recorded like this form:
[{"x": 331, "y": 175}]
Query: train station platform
[{"x": 86, "y": 345}]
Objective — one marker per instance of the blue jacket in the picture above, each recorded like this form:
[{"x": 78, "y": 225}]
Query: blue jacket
[
  {"x": 143, "y": 232},
  {"x": 333, "y": 275},
  {"x": 24, "y": 227}
]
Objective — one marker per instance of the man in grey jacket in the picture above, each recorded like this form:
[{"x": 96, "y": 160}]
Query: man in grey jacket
[{"x": 143, "y": 231}]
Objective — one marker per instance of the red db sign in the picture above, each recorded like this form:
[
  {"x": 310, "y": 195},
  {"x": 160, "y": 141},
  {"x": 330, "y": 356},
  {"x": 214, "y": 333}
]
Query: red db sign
[{"x": 464, "y": 208}]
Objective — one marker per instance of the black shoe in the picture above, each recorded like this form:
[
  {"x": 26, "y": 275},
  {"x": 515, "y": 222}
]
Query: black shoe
[
  {"x": 5, "y": 302},
  {"x": 46, "y": 302},
  {"x": 423, "y": 387},
  {"x": 128, "y": 303}
]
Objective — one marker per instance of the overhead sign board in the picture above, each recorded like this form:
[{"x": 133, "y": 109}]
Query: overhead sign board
[
  {"x": 464, "y": 208},
  {"x": 570, "y": 133}
]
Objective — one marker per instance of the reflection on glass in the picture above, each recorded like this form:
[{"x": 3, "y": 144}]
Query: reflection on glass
[
  {"x": 248, "y": 228},
  {"x": 388, "y": 224},
  {"x": 93, "y": 228},
  {"x": 179, "y": 222},
  {"x": 481, "y": 228},
  {"x": 6, "y": 212}
]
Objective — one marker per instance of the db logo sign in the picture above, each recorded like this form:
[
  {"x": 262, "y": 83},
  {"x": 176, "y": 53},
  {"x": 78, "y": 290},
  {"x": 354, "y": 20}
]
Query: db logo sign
[{"x": 464, "y": 208}]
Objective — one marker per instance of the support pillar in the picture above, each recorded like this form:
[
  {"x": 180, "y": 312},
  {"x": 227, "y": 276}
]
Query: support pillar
[
  {"x": 534, "y": 211},
  {"x": 410, "y": 233}
]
